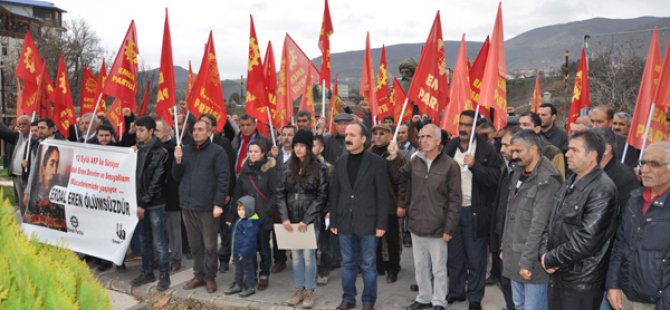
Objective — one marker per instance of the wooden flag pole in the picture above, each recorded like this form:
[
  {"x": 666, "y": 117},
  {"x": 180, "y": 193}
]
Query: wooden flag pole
[{"x": 402, "y": 113}]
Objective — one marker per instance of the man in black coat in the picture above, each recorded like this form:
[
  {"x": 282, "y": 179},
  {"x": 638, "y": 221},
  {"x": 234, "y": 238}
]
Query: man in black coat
[
  {"x": 358, "y": 205},
  {"x": 19, "y": 139},
  {"x": 480, "y": 171},
  {"x": 622, "y": 176}
]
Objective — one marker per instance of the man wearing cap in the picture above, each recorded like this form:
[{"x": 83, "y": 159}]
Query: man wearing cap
[
  {"x": 335, "y": 142},
  {"x": 388, "y": 249}
]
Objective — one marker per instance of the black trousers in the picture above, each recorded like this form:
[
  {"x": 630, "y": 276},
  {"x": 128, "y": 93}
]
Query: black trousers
[
  {"x": 467, "y": 257},
  {"x": 563, "y": 298},
  {"x": 225, "y": 249},
  {"x": 392, "y": 240},
  {"x": 329, "y": 253},
  {"x": 264, "y": 250}
]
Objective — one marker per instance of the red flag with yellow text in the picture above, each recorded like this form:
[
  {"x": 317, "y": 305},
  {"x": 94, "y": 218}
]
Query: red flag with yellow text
[
  {"x": 207, "y": 95},
  {"x": 459, "y": 92},
  {"x": 102, "y": 81},
  {"x": 165, "y": 97},
  {"x": 307, "y": 100},
  {"x": 19, "y": 98},
  {"x": 293, "y": 73},
  {"x": 87, "y": 97},
  {"x": 382, "y": 89},
  {"x": 580, "y": 94},
  {"x": 191, "y": 79},
  {"x": 537, "y": 95},
  {"x": 115, "y": 116},
  {"x": 367, "y": 86},
  {"x": 122, "y": 82},
  {"x": 645, "y": 96},
  {"x": 324, "y": 44},
  {"x": 476, "y": 74},
  {"x": 493, "y": 92},
  {"x": 334, "y": 106},
  {"x": 30, "y": 61},
  {"x": 430, "y": 89},
  {"x": 397, "y": 99},
  {"x": 63, "y": 106},
  {"x": 270, "y": 75},
  {"x": 257, "y": 99}
]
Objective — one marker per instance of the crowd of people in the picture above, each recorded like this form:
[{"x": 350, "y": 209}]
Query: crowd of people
[{"x": 564, "y": 222}]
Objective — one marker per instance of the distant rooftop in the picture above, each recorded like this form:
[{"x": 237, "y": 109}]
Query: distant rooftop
[{"x": 36, "y": 3}]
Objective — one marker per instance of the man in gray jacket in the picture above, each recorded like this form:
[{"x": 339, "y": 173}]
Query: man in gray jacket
[
  {"x": 203, "y": 172},
  {"x": 434, "y": 191},
  {"x": 532, "y": 186}
]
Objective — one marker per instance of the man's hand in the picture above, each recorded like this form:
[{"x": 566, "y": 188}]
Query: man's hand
[
  {"x": 400, "y": 212},
  {"x": 393, "y": 150},
  {"x": 446, "y": 237},
  {"x": 24, "y": 163},
  {"x": 302, "y": 227},
  {"x": 525, "y": 274},
  {"x": 380, "y": 233},
  {"x": 132, "y": 128},
  {"x": 550, "y": 270},
  {"x": 615, "y": 297},
  {"x": 500, "y": 255},
  {"x": 469, "y": 160},
  {"x": 126, "y": 112},
  {"x": 140, "y": 213},
  {"x": 287, "y": 225},
  {"x": 416, "y": 118},
  {"x": 182, "y": 104},
  {"x": 178, "y": 154},
  {"x": 134, "y": 148},
  {"x": 217, "y": 211},
  {"x": 333, "y": 230},
  {"x": 229, "y": 223},
  {"x": 274, "y": 151}
]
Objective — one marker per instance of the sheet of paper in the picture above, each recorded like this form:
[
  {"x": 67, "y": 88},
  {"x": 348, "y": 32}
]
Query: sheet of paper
[{"x": 295, "y": 240}]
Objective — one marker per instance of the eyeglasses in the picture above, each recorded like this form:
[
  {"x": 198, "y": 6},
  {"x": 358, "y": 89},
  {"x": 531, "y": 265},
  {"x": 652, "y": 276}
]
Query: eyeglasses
[{"x": 651, "y": 163}]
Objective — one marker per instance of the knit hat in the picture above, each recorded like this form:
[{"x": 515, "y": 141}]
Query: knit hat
[
  {"x": 305, "y": 137},
  {"x": 249, "y": 205}
]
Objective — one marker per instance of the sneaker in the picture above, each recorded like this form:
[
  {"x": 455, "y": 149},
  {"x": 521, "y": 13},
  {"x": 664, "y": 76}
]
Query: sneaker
[
  {"x": 309, "y": 299},
  {"x": 321, "y": 281},
  {"x": 233, "y": 289},
  {"x": 297, "y": 297},
  {"x": 224, "y": 267},
  {"x": 163, "y": 282},
  {"x": 278, "y": 267},
  {"x": 142, "y": 279},
  {"x": 263, "y": 282},
  {"x": 248, "y": 292}
]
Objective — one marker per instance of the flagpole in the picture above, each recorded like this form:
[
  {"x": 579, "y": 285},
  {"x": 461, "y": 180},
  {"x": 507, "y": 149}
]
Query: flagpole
[
  {"x": 646, "y": 130},
  {"x": 272, "y": 129},
  {"x": 176, "y": 125},
  {"x": 625, "y": 151},
  {"x": 183, "y": 126},
  {"x": 90, "y": 123},
  {"x": 323, "y": 98},
  {"x": 472, "y": 134},
  {"x": 76, "y": 131},
  {"x": 121, "y": 131},
  {"x": 25, "y": 156},
  {"x": 402, "y": 113}
]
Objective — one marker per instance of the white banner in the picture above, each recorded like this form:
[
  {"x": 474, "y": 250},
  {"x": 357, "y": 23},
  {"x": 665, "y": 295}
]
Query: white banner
[{"x": 82, "y": 197}]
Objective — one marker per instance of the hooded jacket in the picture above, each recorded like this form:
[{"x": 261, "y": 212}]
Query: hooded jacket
[
  {"x": 245, "y": 233},
  {"x": 265, "y": 175}
]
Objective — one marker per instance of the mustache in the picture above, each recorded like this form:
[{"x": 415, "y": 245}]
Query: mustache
[
  {"x": 462, "y": 132},
  {"x": 348, "y": 143}
]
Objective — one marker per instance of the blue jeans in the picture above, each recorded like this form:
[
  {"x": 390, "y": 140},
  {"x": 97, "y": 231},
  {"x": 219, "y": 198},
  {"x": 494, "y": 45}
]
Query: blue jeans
[
  {"x": 357, "y": 249},
  {"x": 529, "y": 296},
  {"x": 245, "y": 275},
  {"x": 153, "y": 237},
  {"x": 304, "y": 269}
]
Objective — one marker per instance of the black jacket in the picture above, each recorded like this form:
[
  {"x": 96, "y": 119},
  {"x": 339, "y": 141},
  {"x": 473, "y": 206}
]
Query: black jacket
[
  {"x": 171, "y": 186},
  {"x": 203, "y": 175},
  {"x": 150, "y": 172},
  {"x": 500, "y": 210},
  {"x": 265, "y": 174},
  {"x": 303, "y": 201},
  {"x": 485, "y": 175},
  {"x": 333, "y": 148},
  {"x": 362, "y": 207},
  {"x": 640, "y": 260},
  {"x": 580, "y": 229},
  {"x": 623, "y": 178}
]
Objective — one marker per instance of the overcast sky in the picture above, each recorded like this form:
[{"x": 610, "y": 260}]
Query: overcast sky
[{"x": 389, "y": 22}]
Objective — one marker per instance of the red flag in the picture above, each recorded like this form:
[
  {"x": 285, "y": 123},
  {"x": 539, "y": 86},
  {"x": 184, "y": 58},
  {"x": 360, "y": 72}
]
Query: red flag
[
  {"x": 42, "y": 97},
  {"x": 648, "y": 85},
  {"x": 476, "y": 75},
  {"x": 270, "y": 74},
  {"x": 63, "y": 106},
  {"x": 115, "y": 116},
  {"x": 334, "y": 106},
  {"x": 493, "y": 93},
  {"x": 397, "y": 99},
  {"x": 30, "y": 61},
  {"x": 165, "y": 97},
  {"x": 19, "y": 98},
  {"x": 89, "y": 87},
  {"x": 122, "y": 83},
  {"x": 580, "y": 94},
  {"x": 207, "y": 96},
  {"x": 144, "y": 107},
  {"x": 537, "y": 95},
  {"x": 662, "y": 97},
  {"x": 293, "y": 78},
  {"x": 324, "y": 44},
  {"x": 367, "y": 86},
  {"x": 382, "y": 89},
  {"x": 307, "y": 100},
  {"x": 102, "y": 81},
  {"x": 191, "y": 79},
  {"x": 257, "y": 99},
  {"x": 430, "y": 89},
  {"x": 459, "y": 92}
]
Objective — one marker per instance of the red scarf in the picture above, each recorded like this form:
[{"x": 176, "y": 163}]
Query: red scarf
[{"x": 242, "y": 154}]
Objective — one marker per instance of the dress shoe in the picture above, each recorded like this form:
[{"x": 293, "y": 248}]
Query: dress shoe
[
  {"x": 195, "y": 282},
  {"x": 417, "y": 305},
  {"x": 344, "y": 305},
  {"x": 278, "y": 267},
  {"x": 451, "y": 300},
  {"x": 391, "y": 278},
  {"x": 211, "y": 286},
  {"x": 175, "y": 265},
  {"x": 414, "y": 288},
  {"x": 475, "y": 306},
  {"x": 438, "y": 308}
]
